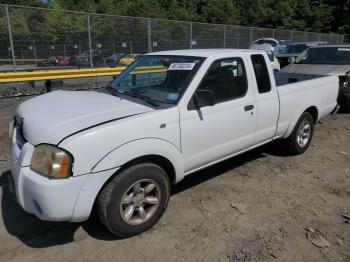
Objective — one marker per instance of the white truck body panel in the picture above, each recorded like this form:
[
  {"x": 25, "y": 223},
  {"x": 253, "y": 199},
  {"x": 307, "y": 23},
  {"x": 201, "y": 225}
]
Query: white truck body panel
[
  {"x": 295, "y": 98},
  {"x": 58, "y": 114},
  {"x": 103, "y": 132},
  {"x": 124, "y": 133}
]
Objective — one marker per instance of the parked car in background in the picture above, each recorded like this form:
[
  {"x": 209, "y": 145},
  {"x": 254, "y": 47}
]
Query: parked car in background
[
  {"x": 80, "y": 59},
  {"x": 50, "y": 61},
  {"x": 114, "y": 59},
  {"x": 270, "y": 53},
  {"x": 291, "y": 50},
  {"x": 120, "y": 150},
  {"x": 326, "y": 60},
  {"x": 282, "y": 44},
  {"x": 54, "y": 61},
  {"x": 129, "y": 59},
  {"x": 83, "y": 59},
  {"x": 271, "y": 41}
]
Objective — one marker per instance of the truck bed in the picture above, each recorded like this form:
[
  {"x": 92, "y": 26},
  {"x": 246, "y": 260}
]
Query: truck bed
[
  {"x": 304, "y": 91},
  {"x": 282, "y": 78}
]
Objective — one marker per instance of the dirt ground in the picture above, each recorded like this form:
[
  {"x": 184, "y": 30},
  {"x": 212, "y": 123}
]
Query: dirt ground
[{"x": 255, "y": 207}]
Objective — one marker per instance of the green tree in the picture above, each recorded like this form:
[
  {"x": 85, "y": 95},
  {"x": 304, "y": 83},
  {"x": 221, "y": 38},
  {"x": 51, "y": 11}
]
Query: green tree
[{"x": 314, "y": 15}]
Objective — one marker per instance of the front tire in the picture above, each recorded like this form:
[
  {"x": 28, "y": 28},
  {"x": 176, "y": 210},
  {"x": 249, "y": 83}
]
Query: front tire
[
  {"x": 134, "y": 200},
  {"x": 302, "y": 134}
]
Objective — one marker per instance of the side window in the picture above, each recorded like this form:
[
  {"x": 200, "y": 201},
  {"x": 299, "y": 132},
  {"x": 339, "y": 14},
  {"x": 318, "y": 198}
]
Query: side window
[
  {"x": 226, "y": 78},
  {"x": 261, "y": 73}
]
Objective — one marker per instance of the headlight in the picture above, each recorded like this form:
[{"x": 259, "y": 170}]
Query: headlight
[{"x": 51, "y": 161}]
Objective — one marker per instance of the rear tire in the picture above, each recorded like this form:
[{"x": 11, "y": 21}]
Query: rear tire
[
  {"x": 134, "y": 200},
  {"x": 301, "y": 137}
]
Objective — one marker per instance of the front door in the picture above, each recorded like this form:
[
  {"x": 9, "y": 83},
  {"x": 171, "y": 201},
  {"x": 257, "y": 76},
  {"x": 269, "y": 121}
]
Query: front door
[{"x": 211, "y": 133}]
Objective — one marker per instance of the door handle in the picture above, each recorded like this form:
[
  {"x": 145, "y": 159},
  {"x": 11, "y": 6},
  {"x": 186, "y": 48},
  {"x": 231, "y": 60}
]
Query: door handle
[{"x": 248, "y": 108}]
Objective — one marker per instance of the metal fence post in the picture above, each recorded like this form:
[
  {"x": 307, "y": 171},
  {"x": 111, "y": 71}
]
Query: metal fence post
[
  {"x": 149, "y": 34},
  {"x": 89, "y": 35},
  {"x": 10, "y": 36},
  {"x": 225, "y": 36},
  {"x": 273, "y": 33},
  {"x": 251, "y": 35},
  {"x": 291, "y": 34},
  {"x": 190, "y": 35},
  {"x": 34, "y": 51}
]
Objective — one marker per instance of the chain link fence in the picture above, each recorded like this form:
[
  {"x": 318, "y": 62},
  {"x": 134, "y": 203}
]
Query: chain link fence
[
  {"x": 33, "y": 38},
  {"x": 346, "y": 39}
]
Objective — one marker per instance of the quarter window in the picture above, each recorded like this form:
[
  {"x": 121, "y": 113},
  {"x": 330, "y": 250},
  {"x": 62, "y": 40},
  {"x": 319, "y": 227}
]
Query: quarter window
[
  {"x": 226, "y": 78},
  {"x": 261, "y": 73}
]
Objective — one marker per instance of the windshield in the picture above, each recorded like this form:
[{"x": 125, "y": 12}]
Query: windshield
[
  {"x": 325, "y": 55},
  {"x": 158, "y": 78},
  {"x": 294, "y": 49}
]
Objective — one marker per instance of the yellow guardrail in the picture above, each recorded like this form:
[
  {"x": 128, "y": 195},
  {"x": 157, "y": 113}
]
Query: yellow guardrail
[
  {"x": 21, "y": 60},
  {"x": 14, "y": 77}
]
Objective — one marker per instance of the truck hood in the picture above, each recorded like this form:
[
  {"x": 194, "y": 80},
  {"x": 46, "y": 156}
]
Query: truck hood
[
  {"x": 317, "y": 69},
  {"x": 51, "y": 117}
]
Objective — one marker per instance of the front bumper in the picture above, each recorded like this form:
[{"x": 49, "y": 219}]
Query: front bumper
[
  {"x": 48, "y": 199},
  {"x": 68, "y": 199}
]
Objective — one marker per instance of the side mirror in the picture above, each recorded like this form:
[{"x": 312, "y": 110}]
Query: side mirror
[{"x": 204, "y": 97}]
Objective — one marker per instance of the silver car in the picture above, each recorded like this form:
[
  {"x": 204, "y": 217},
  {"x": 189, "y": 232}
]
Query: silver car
[{"x": 326, "y": 60}]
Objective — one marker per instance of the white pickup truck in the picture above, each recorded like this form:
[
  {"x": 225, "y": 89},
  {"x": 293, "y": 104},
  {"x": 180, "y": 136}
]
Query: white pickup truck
[{"x": 167, "y": 115}]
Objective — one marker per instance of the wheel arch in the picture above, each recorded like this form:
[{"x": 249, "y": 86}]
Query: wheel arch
[
  {"x": 157, "y": 151},
  {"x": 159, "y": 160},
  {"x": 313, "y": 112},
  {"x": 154, "y": 150},
  {"x": 311, "y": 108}
]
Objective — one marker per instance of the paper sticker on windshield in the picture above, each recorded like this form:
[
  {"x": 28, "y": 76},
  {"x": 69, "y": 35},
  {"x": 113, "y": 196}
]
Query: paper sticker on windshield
[
  {"x": 172, "y": 97},
  {"x": 181, "y": 66},
  {"x": 344, "y": 49}
]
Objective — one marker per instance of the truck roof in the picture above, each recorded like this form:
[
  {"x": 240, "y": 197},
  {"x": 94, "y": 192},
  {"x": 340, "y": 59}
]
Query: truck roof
[{"x": 204, "y": 52}]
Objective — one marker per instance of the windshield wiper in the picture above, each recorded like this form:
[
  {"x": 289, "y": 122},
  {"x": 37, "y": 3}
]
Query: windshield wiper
[
  {"x": 116, "y": 92},
  {"x": 108, "y": 89},
  {"x": 147, "y": 99}
]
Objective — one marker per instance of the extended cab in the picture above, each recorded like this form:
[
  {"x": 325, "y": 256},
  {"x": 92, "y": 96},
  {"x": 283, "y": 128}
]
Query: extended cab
[{"x": 166, "y": 116}]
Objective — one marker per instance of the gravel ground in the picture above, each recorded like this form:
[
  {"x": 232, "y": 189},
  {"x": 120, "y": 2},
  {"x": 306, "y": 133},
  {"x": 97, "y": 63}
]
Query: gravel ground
[{"x": 260, "y": 206}]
